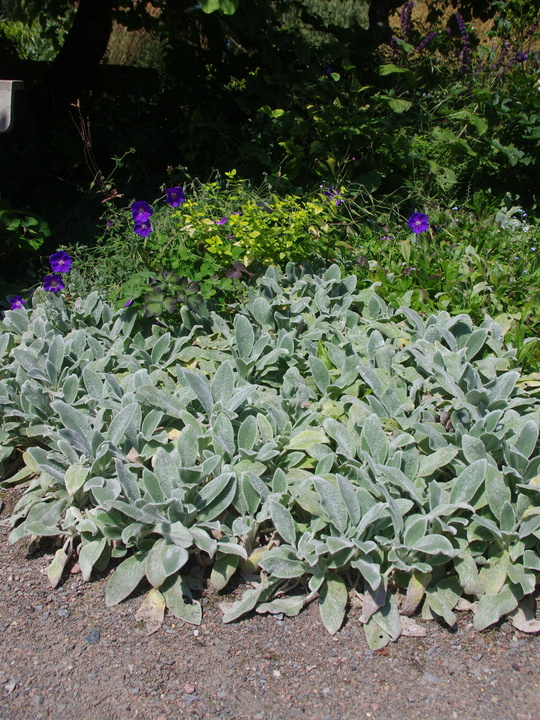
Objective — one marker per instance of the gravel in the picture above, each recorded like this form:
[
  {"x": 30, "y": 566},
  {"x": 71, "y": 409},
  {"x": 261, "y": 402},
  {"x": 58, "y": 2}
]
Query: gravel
[{"x": 65, "y": 655}]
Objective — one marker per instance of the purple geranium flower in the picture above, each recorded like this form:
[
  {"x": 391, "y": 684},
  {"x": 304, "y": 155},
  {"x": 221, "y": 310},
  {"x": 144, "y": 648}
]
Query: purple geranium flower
[
  {"x": 333, "y": 194},
  {"x": 60, "y": 262},
  {"x": 175, "y": 196},
  {"x": 53, "y": 283},
  {"x": 143, "y": 228},
  {"x": 141, "y": 211},
  {"x": 17, "y": 303},
  {"x": 128, "y": 303},
  {"x": 221, "y": 222},
  {"x": 418, "y": 222}
]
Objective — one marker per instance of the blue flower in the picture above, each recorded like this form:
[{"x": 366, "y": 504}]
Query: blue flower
[
  {"x": 175, "y": 196},
  {"x": 53, "y": 283},
  {"x": 333, "y": 194},
  {"x": 17, "y": 303},
  {"x": 143, "y": 228},
  {"x": 141, "y": 211},
  {"x": 60, "y": 262},
  {"x": 418, "y": 222}
]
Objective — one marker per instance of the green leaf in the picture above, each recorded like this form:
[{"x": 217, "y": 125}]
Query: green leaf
[
  {"x": 247, "y": 602},
  {"x": 125, "y": 579},
  {"x": 320, "y": 373},
  {"x": 222, "y": 387},
  {"x": 376, "y": 637},
  {"x": 223, "y": 434},
  {"x": 247, "y": 433},
  {"x": 432, "y": 463},
  {"x": 75, "y": 478},
  {"x": 212, "y": 508},
  {"x": 370, "y": 571},
  {"x": 89, "y": 554},
  {"x": 332, "y": 503},
  {"x": 528, "y": 438},
  {"x": 468, "y": 575},
  {"x": 120, "y": 423},
  {"x": 290, "y": 606},
  {"x": 373, "y": 439},
  {"x": 223, "y": 570},
  {"x": 163, "y": 400},
  {"x": 245, "y": 337},
  {"x": 261, "y": 308},
  {"x": 387, "y": 618},
  {"x": 332, "y": 603},
  {"x": 435, "y": 544},
  {"x": 415, "y": 529},
  {"x": 283, "y": 522},
  {"x": 491, "y": 608},
  {"x": 173, "y": 590},
  {"x": 201, "y": 389},
  {"x": 493, "y": 575},
  {"x": 56, "y": 568},
  {"x": 279, "y": 565},
  {"x": 497, "y": 491},
  {"x": 227, "y": 7},
  {"x": 468, "y": 482},
  {"x": 305, "y": 439},
  {"x": 188, "y": 446},
  {"x": 399, "y": 105}
]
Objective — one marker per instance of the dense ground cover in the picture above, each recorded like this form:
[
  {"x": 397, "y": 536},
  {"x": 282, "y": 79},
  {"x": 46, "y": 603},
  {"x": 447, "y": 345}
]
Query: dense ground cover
[{"x": 327, "y": 381}]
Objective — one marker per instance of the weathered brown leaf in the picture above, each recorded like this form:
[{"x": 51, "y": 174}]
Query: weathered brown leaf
[
  {"x": 152, "y": 611},
  {"x": 524, "y": 617},
  {"x": 410, "y": 628}
]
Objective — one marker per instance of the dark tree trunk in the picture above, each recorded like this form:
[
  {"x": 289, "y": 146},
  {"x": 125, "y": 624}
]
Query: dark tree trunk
[{"x": 75, "y": 67}]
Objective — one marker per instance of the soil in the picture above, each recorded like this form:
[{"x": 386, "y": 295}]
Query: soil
[{"x": 65, "y": 655}]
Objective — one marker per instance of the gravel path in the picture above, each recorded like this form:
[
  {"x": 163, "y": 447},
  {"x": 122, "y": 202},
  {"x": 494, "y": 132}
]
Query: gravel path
[{"x": 65, "y": 656}]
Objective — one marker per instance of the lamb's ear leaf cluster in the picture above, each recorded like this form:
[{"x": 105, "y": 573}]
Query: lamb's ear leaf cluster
[{"x": 320, "y": 442}]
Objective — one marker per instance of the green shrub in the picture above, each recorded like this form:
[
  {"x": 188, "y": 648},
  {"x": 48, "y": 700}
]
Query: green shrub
[{"x": 321, "y": 440}]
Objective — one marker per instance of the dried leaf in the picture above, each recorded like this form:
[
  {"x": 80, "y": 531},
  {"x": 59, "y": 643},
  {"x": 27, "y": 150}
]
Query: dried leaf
[
  {"x": 152, "y": 611},
  {"x": 410, "y": 628},
  {"x": 524, "y": 617},
  {"x": 372, "y": 602}
]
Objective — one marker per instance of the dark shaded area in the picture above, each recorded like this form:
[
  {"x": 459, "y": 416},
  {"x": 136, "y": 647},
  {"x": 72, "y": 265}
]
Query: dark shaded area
[{"x": 88, "y": 136}]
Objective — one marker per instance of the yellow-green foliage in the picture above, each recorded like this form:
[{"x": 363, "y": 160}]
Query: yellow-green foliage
[{"x": 273, "y": 231}]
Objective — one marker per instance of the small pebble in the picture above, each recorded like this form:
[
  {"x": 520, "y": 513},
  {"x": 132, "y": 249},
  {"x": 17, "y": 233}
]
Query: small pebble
[
  {"x": 516, "y": 666},
  {"x": 63, "y": 613},
  {"x": 93, "y": 637}
]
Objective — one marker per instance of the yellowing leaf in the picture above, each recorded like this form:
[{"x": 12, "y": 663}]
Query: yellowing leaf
[{"x": 152, "y": 611}]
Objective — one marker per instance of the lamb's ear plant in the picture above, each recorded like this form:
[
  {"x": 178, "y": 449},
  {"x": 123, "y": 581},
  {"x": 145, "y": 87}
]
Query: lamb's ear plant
[{"x": 321, "y": 443}]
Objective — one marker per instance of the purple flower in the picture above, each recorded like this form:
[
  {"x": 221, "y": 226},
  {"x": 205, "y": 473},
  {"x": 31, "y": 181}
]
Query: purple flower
[
  {"x": 328, "y": 69},
  {"x": 333, "y": 194},
  {"x": 175, "y": 196},
  {"x": 521, "y": 56},
  {"x": 128, "y": 303},
  {"x": 17, "y": 303},
  {"x": 418, "y": 222},
  {"x": 141, "y": 211},
  {"x": 405, "y": 19},
  {"x": 53, "y": 283},
  {"x": 60, "y": 262},
  {"x": 221, "y": 222},
  {"x": 426, "y": 41},
  {"x": 462, "y": 27},
  {"x": 142, "y": 228}
]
